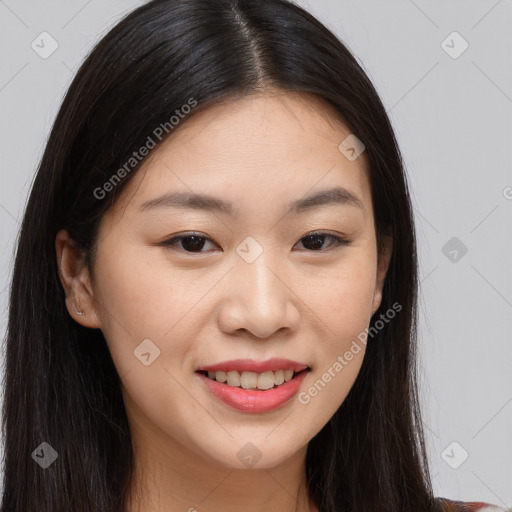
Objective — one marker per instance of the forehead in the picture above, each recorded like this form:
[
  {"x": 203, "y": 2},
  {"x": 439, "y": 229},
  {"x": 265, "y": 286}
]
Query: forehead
[{"x": 254, "y": 151}]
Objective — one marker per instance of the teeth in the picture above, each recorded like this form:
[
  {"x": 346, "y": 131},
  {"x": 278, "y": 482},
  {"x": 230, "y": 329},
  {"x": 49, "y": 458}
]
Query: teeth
[
  {"x": 279, "y": 377},
  {"x": 218, "y": 376},
  {"x": 252, "y": 380},
  {"x": 233, "y": 379},
  {"x": 249, "y": 380}
]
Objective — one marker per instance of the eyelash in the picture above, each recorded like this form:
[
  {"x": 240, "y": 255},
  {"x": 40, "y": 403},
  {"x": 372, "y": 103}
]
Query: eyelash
[{"x": 171, "y": 243}]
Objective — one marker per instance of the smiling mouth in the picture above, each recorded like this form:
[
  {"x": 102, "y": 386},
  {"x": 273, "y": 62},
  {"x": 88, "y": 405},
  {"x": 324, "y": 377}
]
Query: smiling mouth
[{"x": 252, "y": 380}]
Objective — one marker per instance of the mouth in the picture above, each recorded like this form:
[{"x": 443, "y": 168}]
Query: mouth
[{"x": 251, "y": 380}]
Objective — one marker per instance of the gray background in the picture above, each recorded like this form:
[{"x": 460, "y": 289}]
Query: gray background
[{"x": 453, "y": 121}]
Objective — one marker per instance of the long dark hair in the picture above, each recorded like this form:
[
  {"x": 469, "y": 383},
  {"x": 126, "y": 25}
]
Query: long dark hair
[{"x": 61, "y": 386}]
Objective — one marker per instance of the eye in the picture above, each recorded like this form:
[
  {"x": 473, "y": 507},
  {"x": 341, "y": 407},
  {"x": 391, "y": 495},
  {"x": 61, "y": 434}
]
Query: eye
[
  {"x": 315, "y": 240},
  {"x": 195, "y": 242},
  {"x": 190, "y": 242}
]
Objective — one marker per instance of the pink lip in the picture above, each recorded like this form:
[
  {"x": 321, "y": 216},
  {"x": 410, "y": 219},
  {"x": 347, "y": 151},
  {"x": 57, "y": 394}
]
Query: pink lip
[
  {"x": 254, "y": 400},
  {"x": 250, "y": 365}
]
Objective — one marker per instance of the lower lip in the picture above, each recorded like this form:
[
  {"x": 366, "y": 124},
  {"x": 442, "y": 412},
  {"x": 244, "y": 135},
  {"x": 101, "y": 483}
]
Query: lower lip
[{"x": 254, "y": 400}]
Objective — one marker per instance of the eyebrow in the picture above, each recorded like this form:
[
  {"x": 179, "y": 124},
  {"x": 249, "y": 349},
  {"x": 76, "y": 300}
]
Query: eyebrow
[{"x": 186, "y": 200}]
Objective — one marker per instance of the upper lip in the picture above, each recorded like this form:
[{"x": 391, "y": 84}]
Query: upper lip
[{"x": 250, "y": 365}]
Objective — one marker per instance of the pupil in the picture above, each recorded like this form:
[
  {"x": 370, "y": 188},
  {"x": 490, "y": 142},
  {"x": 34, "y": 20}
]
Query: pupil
[
  {"x": 313, "y": 237},
  {"x": 197, "y": 243}
]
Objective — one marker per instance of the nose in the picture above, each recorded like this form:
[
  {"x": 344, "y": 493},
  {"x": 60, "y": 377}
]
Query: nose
[{"x": 259, "y": 298}]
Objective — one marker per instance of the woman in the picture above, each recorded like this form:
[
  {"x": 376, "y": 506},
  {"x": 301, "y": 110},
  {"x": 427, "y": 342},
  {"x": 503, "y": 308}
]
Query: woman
[{"x": 274, "y": 370}]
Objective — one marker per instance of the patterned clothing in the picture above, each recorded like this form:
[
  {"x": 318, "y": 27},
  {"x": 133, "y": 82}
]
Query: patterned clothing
[{"x": 469, "y": 506}]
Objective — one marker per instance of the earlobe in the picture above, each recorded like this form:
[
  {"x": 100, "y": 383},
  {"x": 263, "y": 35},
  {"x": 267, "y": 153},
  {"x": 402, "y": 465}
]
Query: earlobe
[
  {"x": 384, "y": 259},
  {"x": 75, "y": 279},
  {"x": 377, "y": 298}
]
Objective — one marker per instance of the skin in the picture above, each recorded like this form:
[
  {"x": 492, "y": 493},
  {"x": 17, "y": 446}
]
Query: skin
[{"x": 294, "y": 301}]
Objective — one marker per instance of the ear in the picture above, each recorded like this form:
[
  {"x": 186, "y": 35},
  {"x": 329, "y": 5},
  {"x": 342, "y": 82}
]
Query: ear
[
  {"x": 75, "y": 279},
  {"x": 382, "y": 268}
]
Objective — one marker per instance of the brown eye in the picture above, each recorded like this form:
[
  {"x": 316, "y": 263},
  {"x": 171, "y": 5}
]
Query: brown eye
[
  {"x": 315, "y": 241},
  {"x": 193, "y": 242}
]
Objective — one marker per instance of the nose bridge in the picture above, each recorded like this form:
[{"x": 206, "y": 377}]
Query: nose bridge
[
  {"x": 256, "y": 274},
  {"x": 260, "y": 299}
]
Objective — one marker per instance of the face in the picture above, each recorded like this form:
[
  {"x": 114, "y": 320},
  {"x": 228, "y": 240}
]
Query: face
[{"x": 178, "y": 286}]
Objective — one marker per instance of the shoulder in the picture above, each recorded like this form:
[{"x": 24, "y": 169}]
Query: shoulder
[{"x": 447, "y": 505}]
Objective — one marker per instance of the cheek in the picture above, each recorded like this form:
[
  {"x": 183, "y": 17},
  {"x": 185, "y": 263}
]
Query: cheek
[
  {"x": 139, "y": 301},
  {"x": 342, "y": 306},
  {"x": 342, "y": 315},
  {"x": 343, "y": 295}
]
